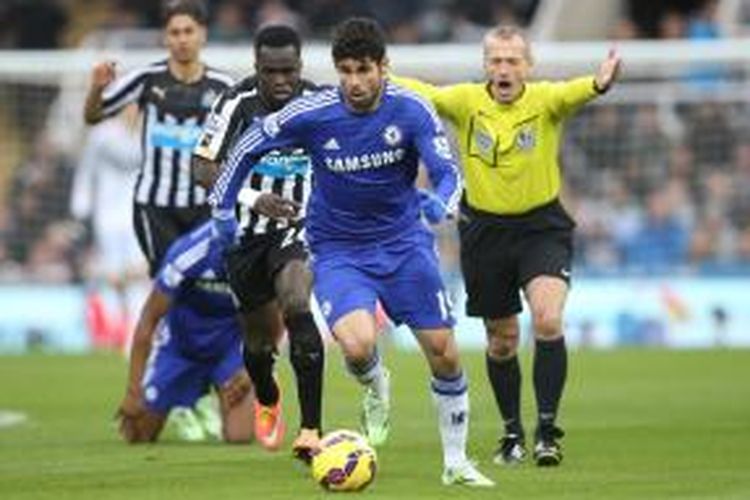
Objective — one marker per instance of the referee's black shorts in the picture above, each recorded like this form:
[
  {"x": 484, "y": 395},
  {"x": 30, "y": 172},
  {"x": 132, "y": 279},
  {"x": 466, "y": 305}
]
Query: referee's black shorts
[
  {"x": 501, "y": 254},
  {"x": 254, "y": 263},
  {"x": 157, "y": 227}
]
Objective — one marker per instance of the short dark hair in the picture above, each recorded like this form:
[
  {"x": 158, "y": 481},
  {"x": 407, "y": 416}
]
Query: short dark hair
[
  {"x": 277, "y": 35},
  {"x": 193, "y": 8},
  {"x": 358, "y": 38}
]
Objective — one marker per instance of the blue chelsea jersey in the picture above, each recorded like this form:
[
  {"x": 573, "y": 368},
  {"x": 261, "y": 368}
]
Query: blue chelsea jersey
[
  {"x": 202, "y": 315},
  {"x": 364, "y": 164}
]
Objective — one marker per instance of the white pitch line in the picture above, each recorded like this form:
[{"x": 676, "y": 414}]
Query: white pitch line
[{"x": 10, "y": 418}]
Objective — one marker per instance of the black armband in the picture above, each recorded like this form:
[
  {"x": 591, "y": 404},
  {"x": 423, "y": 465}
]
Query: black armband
[{"x": 600, "y": 91}]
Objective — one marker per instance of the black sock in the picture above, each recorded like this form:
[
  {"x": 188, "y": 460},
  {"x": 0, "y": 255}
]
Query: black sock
[
  {"x": 505, "y": 379},
  {"x": 550, "y": 370},
  {"x": 259, "y": 366},
  {"x": 307, "y": 357}
]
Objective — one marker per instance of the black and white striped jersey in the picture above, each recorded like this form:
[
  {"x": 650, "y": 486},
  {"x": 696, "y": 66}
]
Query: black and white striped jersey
[
  {"x": 284, "y": 172},
  {"x": 173, "y": 115}
]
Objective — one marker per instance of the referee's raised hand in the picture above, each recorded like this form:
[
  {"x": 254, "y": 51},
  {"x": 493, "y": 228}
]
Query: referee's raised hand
[
  {"x": 609, "y": 70},
  {"x": 103, "y": 74}
]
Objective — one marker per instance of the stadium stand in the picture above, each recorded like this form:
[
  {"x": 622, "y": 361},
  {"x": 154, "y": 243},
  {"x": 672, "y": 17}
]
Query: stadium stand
[{"x": 657, "y": 173}]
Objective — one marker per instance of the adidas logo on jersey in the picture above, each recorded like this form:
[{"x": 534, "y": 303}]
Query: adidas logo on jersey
[
  {"x": 159, "y": 92},
  {"x": 331, "y": 144}
]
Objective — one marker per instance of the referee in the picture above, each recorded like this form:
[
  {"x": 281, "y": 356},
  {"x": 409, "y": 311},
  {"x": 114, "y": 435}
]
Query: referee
[
  {"x": 515, "y": 235},
  {"x": 174, "y": 97}
]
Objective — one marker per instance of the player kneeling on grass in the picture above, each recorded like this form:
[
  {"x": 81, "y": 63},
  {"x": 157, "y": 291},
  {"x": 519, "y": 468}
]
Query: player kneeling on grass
[{"x": 187, "y": 340}]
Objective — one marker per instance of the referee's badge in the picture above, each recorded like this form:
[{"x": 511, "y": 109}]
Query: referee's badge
[
  {"x": 526, "y": 139},
  {"x": 392, "y": 135},
  {"x": 484, "y": 142}
]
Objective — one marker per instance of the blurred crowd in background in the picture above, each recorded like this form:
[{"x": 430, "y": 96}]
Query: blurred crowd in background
[
  {"x": 37, "y": 24},
  {"x": 657, "y": 190},
  {"x": 654, "y": 188},
  {"x": 234, "y": 21}
]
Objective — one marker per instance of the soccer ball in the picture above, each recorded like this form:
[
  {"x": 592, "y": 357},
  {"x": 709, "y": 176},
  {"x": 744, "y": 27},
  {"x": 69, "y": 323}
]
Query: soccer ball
[{"x": 346, "y": 462}]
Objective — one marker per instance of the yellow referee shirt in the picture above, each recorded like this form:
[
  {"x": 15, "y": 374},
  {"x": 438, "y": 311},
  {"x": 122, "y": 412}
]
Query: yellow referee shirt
[{"x": 509, "y": 151}]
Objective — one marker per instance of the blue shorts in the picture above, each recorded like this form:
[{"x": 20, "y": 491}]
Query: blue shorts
[
  {"x": 173, "y": 378},
  {"x": 403, "y": 276}
]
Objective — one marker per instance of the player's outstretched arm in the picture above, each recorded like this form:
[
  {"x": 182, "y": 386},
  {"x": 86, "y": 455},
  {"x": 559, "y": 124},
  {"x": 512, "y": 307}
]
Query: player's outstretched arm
[
  {"x": 566, "y": 97},
  {"x": 102, "y": 75},
  {"x": 426, "y": 90},
  {"x": 155, "y": 308},
  {"x": 609, "y": 71},
  {"x": 450, "y": 101}
]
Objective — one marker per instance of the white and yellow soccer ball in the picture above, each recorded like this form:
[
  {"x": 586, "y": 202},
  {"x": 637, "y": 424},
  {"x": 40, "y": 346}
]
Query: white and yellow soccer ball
[{"x": 346, "y": 462}]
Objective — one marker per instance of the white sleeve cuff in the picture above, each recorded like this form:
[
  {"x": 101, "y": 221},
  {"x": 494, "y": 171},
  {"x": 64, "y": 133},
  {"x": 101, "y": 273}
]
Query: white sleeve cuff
[{"x": 222, "y": 214}]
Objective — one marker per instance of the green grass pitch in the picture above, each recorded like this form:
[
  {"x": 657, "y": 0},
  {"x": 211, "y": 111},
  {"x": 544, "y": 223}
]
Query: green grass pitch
[{"x": 641, "y": 424}]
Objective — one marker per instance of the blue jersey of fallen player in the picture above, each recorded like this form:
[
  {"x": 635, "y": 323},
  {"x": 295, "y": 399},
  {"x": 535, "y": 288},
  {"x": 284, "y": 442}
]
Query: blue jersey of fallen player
[
  {"x": 364, "y": 164},
  {"x": 202, "y": 315}
]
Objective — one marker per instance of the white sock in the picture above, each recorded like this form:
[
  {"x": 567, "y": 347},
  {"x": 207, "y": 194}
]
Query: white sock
[{"x": 452, "y": 402}]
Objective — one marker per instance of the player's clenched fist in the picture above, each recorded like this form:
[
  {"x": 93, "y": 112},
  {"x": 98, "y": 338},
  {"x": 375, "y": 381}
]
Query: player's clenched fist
[
  {"x": 275, "y": 206},
  {"x": 432, "y": 207},
  {"x": 103, "y": 74}
]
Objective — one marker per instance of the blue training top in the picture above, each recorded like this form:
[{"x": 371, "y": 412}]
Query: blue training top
[
  {"x": 364, "y": 164},
  {"x": 202, "y": 316}
]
